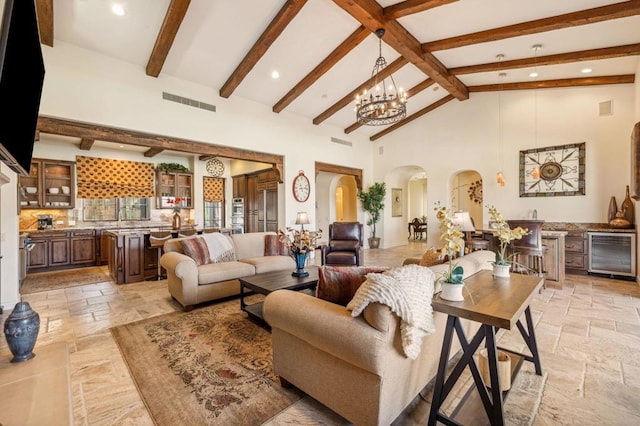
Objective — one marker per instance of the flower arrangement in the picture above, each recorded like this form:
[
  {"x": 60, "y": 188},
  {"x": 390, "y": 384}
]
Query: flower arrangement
[
  {"x": 505, "y": 234},
  {"x": 177, "y": 204},
  {"x": 453, "y": 242},
  {"x": 302, "y": 241}
]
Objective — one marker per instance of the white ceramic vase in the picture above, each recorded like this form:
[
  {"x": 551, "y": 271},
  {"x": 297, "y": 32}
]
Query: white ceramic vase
[
  {"x": 501, "y": 271},
  {"x": 452, "y": 292}
]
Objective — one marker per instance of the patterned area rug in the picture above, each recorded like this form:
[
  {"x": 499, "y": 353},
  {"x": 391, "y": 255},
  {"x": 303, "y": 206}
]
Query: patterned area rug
[
  {"x": 208, "y": 366},
  {"x": 47, "y": 281}
]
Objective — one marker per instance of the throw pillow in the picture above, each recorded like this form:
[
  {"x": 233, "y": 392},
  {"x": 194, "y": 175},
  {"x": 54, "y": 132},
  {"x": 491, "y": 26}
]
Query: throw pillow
[
  {"x": 196, "y": 248},
  {"x": 274, "y": 247},
  {"x": 431, "y": 257},
  {"x": 338, "y": 284}
]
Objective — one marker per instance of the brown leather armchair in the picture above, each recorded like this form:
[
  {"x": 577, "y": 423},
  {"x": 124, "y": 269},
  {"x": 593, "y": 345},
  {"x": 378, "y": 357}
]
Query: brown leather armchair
[{"x": 345, "y": 244}]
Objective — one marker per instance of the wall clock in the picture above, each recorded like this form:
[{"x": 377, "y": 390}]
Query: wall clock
[
  {"x": 215, "y": 167},
  {"x": 561, "y": 171},
  {"x": 301, "y": 187}
]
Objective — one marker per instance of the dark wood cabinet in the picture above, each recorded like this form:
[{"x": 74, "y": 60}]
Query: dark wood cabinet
[
  {"x": 261, "y": 201},
  {"x": 126, "y": 256},
  {"x": 240, "y": 186},
  {"x": 39, "y": 255},
  {"x": 50, "y": 184},
  {"x": 83, "y": 247},
  {"x": 251, "y": 205},
  {"x": 51, "y": 251},
  {"x": 576, "y": 253},
  {"x": 172, "y": 185}
]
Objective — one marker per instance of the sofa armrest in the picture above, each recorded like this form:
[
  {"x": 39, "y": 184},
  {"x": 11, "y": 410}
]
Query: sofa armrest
[
  {"x": 328, "y": 327},
  {"x": 182, "y": 277}
]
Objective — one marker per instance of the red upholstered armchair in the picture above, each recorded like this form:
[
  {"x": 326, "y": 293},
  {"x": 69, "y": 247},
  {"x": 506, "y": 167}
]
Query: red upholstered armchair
[{"x": 345, "y": 244}]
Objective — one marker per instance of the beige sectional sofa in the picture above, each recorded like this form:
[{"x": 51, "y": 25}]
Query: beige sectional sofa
[
  {"x": 191, "y": 284},
  {"x": 356, "y": 366}
]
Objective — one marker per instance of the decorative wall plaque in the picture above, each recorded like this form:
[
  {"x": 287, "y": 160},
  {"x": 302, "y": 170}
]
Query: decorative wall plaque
[{"x": 562, "y": 169}]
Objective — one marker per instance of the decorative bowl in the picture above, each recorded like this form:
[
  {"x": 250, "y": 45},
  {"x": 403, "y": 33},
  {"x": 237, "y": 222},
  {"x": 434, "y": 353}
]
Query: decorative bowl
[
  {"x": 31, "y": 189},
  {"x": 65, "y": 190},
  {"x": 54, "y": 191},
  {"x": 33, "y": 203}
]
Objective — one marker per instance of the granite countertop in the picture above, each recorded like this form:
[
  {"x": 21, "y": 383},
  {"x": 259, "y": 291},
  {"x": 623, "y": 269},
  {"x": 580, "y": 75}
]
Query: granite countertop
[{"x": 584, "y": 227}]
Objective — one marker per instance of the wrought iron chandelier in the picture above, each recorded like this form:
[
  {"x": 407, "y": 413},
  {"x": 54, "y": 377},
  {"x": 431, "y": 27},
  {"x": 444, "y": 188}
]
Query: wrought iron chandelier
[{"x": 383, "y": 103}]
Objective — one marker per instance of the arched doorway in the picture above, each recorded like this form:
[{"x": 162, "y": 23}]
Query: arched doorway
[{"x": 466, "y": 195}]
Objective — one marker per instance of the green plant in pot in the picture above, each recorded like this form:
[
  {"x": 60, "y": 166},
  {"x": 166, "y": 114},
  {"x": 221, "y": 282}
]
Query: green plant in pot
[
  {"x": 373, "y": 203},
  {"x": 453, "y": 240},
  {"x": 505, "y": 235}
]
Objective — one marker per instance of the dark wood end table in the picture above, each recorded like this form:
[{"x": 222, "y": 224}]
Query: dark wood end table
[
  {"x": 495, "y": 303},
  {"x": 271, "y": 281}
]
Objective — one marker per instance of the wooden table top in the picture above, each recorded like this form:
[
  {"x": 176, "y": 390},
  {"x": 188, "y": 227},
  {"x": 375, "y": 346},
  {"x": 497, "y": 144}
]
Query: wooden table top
[
  {"x": 267, "y": 282},
  {"x": 493, "y": 301}
]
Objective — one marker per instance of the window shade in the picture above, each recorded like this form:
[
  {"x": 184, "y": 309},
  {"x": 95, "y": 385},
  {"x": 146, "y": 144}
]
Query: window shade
[
  {"x": 213, "y": 189},
  {"x": 106, "y": 178}
]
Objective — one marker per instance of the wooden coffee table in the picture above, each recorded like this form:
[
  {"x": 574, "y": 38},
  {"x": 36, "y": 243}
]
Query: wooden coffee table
[
  {"x": 496, "y": 303},
  {"x": 272, "y": 281}
]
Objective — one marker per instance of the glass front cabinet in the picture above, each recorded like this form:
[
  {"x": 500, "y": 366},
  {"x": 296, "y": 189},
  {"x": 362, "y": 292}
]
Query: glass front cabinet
[
  {"x": 174, "y": 187},
  {"x": 50, "y": 184}
]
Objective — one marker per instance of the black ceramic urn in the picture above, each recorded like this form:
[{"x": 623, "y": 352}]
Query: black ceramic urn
[{"x": 21, "y": 331}]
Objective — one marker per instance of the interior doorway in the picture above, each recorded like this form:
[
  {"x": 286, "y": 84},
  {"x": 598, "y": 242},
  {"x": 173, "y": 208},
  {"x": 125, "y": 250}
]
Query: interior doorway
[
  {"x": 346, "y": 200},
  {"x": 466, "y": 195}
]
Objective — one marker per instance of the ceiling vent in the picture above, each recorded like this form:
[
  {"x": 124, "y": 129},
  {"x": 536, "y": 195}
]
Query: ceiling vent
[
  {"x": 341, "y": 142},
  {"x": 605, "y": 108},
  {"x": 186, "y": 101}
]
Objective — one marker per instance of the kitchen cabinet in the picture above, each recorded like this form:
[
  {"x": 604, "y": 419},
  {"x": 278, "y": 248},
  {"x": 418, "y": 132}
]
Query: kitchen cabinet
[
  {"x": 240, "y": 186},
  {"x": 126, "y": 256},
  {"x": 251, "y": 205},
  {"x": 172, "y": 185},
  {"x": 261, "y": 201},
  {"x": 50, "y": 184},
  {"x": 51, "y": 251},
  {"x": 576, "y": 252},
  {"x": 83, "y": 247}
]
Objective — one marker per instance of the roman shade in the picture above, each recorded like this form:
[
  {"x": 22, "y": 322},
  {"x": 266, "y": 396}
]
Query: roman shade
[
  {"x": 213, "y": 189},
  {"x": 107, "y": 178}
]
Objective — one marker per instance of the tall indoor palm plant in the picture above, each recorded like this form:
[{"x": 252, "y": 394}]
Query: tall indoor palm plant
[{"x": 373, "y": 203}]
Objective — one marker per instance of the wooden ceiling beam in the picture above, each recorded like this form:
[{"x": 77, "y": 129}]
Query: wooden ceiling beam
[
  {"x": 264, "y": 42},
  {"x": 412, "y": 117},
  {"x": 370, "y": 14},
  {"x": 411, "y": 92},
  {"x": 44, "y": 11},
  {"x": 64, "y": 127},
  {"x": 172, "y": 20},
  {"x": 560, "y": 58},
  {"x": 333, "y": 58},
  {"x": 553, "y": 84},
  {"x": 86, "y": 144},
  {"x": 409, "y": 7},
  {"x": 583, "y": 17},
  {"x": 390, "y": 69},
  {"x": 340, "y": 170},
  {"x": 152, "y": 152}
]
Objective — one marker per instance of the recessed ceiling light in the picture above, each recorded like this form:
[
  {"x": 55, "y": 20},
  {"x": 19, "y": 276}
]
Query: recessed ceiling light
[
  {"x": 275, "y": 74},
  {"x": 118, "y": 9},
  {"x": 586, "y": 70},
  {"x": 533, "y": 74}
]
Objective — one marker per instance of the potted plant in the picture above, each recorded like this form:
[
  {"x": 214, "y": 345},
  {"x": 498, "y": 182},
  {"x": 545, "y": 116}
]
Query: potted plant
[
  {"x": 451, "y": 278},
  {"x": 505, "y": 235},
  {"x": 373, "y": 202}
]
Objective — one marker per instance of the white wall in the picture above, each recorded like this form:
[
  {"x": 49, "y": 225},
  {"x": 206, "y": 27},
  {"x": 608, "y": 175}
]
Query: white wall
[
  {"x": 9, "y": 237},
  {"x": 464, "y": 135}
]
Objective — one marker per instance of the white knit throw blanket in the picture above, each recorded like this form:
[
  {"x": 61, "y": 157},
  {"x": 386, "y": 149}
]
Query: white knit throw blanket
[
  {"x": 220, "y": 248},
  {"x": 407, "y": 291}
]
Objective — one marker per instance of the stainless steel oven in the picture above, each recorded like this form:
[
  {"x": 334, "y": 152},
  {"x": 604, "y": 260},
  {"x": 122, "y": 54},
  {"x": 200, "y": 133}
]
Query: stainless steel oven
[
  {"x": 612, "y": 253},
  {"x": 237, "y": 215}
]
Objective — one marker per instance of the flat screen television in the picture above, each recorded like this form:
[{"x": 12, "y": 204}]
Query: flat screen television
[{"x": 21, "y": 80}]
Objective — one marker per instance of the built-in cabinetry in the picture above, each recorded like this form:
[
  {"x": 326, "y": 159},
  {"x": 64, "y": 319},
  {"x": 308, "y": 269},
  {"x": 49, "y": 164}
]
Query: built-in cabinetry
[
  {"x": 172, "y": 186},
  {"x": 126, "y": 256},
  {"x": 50, "y": 184},
  {"x": 576, "y": 252},
  {"x": 260, "y": 191},
  {"x": 62, "y": 249}
]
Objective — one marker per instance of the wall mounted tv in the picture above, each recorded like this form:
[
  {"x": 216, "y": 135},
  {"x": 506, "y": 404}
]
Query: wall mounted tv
[{"x": 21, "y": 80}]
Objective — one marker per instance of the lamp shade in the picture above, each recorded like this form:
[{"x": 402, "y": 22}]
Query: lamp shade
[
  {"x": 302, "y": 218},
  {"x": 463, "y": 220}
]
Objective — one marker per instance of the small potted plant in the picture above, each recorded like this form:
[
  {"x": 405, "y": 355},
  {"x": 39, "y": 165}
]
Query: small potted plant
[
  {"x": 505, "y": 235},
  {"x": 451, "y": 278},
  {"x": 373, "y": 203}
]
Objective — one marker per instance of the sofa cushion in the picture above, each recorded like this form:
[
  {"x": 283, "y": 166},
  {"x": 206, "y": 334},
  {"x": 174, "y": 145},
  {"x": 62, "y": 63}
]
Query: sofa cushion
[
  {"x": 338, "y": 284},
  {"x": 223, "y": 271},
  {"x": 197, "y": 249},
  {"x": 344, "y": 245},
  {"x": 274, "y": 247},
  {"x": 271, "y": 263},
  {"x": 431, "y": 257}
]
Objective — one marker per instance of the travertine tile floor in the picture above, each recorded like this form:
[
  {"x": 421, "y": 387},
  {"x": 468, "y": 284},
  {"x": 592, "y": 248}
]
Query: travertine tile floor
[{"x": 588, "y": 334}]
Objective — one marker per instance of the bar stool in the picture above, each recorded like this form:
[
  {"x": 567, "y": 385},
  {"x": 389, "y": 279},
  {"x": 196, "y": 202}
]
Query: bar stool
[
  {"x": 530, "y": 246},
  {"x": 157, "y": 240}
]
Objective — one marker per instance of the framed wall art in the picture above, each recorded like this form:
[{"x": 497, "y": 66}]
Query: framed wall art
[
  {"x": 562, "y": 169},
  {"x": 396, "y": 202}
]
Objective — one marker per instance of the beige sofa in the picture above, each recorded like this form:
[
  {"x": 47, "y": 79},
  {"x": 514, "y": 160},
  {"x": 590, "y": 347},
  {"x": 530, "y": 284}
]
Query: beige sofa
[
  {"x": 191, "y": 284},
  {"x": 355, "y": 366}
]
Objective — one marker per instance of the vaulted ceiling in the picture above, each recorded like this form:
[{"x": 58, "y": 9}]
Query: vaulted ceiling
[{"x": 441, "y": 51}]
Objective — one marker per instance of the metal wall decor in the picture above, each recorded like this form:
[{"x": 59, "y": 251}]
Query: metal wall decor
[
  {"x": 215, "y": 167},
  {"x": 562, "y": 170}
]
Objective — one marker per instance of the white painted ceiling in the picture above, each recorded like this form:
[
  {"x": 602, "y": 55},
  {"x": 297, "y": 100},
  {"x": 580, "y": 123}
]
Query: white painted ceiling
[{"x": 216, "y": 34}]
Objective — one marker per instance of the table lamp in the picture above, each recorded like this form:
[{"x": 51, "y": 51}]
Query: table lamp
[
  {"x": 302, "y": 219},
  {"x": 463, "y": 220}
]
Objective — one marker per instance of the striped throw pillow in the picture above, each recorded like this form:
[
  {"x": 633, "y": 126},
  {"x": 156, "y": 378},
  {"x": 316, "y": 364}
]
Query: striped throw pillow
[{"x": 196, "y": 248}]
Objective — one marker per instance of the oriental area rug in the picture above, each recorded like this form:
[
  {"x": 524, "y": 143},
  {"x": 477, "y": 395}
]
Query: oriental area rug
[
  {"x": 208, "y": 366},
  {"x": 47, "y": 281}
]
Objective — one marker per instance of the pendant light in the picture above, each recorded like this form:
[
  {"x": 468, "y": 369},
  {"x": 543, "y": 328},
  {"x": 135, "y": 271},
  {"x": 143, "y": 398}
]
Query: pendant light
[
  {"x": 535, "y": 173},
  {"x": 500, "y": 176}
]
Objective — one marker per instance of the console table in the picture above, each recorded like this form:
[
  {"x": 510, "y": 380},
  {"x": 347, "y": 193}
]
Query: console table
[{"x": 495, "y": 303}]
